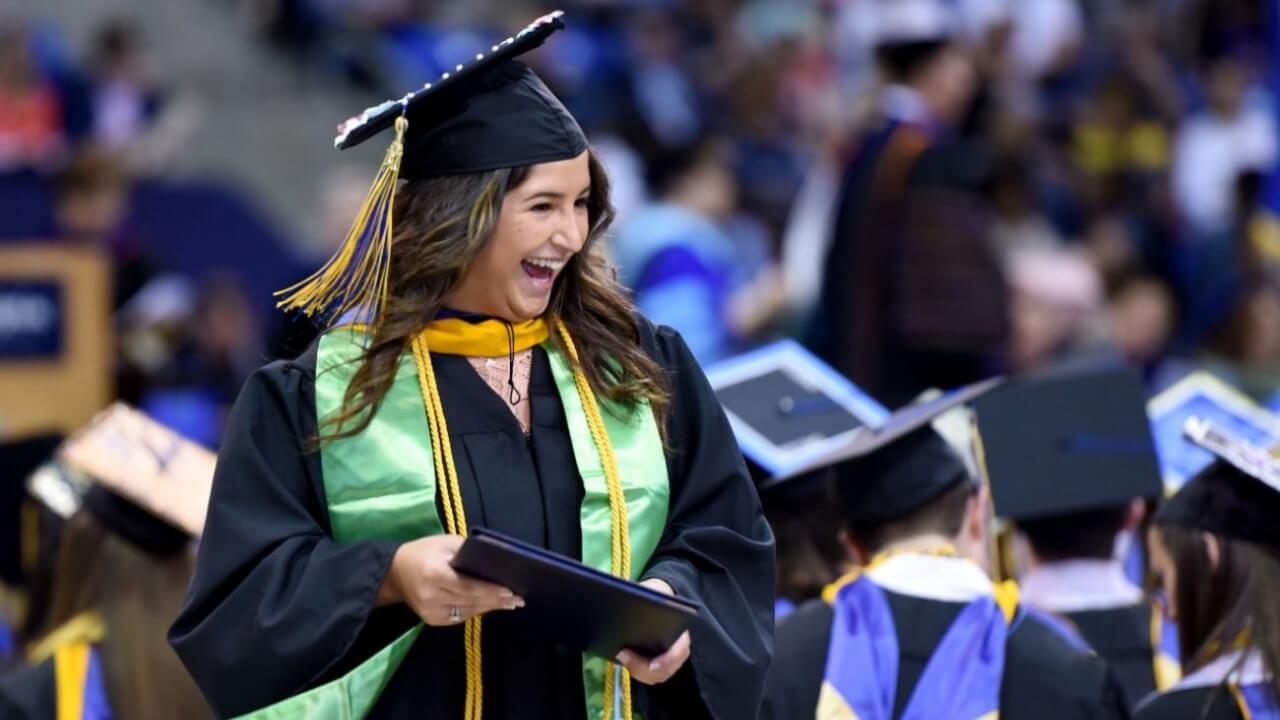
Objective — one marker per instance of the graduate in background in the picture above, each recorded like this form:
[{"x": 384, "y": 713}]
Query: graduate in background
[
  {"x": 123, "y": 563},
  {"x": 1069, "y": 480},
  {"x": 482, "y": 368},
  {"x": 1216, "y": 546},
  {"x": 787, "y": 407},
  {"x": 921, "y": 631},
  {"x": 912, "y": 293}
]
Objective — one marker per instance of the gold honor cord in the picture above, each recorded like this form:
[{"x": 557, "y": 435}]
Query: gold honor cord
[
  {"x": 455, "y": 519},
  {"x": 359, "y": 273},
  {"x": 619, "y": 535},
  {"x": 456, "y": 522}
]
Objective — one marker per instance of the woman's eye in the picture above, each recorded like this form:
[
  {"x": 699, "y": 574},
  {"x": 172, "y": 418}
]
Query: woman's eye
[
  {"x": 581, "y": 204},
  {"x": 541, "y": 207}
]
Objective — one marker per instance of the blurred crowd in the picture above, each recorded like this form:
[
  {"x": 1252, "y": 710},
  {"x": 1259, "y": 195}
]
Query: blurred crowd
[
  {"x": 1093, "y": 178},
  {"x": 1116, "y": 161}
]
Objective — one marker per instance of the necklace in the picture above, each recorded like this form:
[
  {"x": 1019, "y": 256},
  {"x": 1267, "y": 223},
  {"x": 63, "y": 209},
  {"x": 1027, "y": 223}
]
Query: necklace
[{"x": 508, "y": 377}]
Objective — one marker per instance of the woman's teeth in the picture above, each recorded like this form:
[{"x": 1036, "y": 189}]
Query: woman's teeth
[
  {"x": 552, "y": 265},
  {"x": 541, "y": 268}
]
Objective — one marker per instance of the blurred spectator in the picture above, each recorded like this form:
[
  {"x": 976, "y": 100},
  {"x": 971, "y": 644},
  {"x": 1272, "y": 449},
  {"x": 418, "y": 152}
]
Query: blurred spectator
[
  {"x": 1246, "y": 346},
  {"x": 1055, "y": 294},
  {"x": 664, "y": 97},
  {"x": 912, "y": 295},
  {"x": 684, "y": 268},
  {"x": 1047, "y": 36},
  {"x": 124, "y": 103},
  {"x": 91, "y": 199},
  {"x": 1233, "y": 133},
  {"x": 186, "y": 350},
  {"x": 1141, "y": 317},
  {"x": 225, "y": 341},
  {"x": 31, "y": 113},
  {"x": 1018, "y": 224}
]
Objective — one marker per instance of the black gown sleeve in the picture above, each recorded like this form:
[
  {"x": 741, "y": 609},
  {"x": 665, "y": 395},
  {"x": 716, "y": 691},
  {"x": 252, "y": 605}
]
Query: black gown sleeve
[
  {"x": 28, "y": 692},
  {"x": 795, "y": 678},
  {"x": 716, "y": 549},
  {"x": 1202, "y": 703},
  {"x": 275, "y": 602}
]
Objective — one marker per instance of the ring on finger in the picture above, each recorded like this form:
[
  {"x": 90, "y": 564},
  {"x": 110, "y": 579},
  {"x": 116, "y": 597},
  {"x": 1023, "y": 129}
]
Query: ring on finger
[{"x": 455, "y": 614}]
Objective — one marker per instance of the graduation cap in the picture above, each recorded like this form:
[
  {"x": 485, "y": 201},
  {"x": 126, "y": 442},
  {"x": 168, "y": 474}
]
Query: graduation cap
[
  {"x": 488, "y": 114},
  {"x": 149, "y": 485},
  {"x": 19, "y": 539},
  {"x": 788, "y": 409},
  {"x": 1061, "y": 444},
  {"x": 1203, "y": 395},
  {"x": 1236, "y": 496},
  {"x": 882, "y": 473}
]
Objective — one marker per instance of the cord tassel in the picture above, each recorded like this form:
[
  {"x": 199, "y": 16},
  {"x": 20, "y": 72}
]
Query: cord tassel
[
  {"x": 619, "y": 532},
  {"x": 358, "y": 275},
  {"x": 513, "y": 394}
]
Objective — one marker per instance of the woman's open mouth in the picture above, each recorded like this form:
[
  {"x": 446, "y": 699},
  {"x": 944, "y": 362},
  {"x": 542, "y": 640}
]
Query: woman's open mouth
[{"x": 542, "y": 271}]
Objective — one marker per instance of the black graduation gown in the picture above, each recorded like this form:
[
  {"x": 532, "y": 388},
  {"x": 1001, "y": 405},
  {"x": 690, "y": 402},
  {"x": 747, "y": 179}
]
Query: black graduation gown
[
  {"x": 276, "y": 607},
  {"x": 1122, "y": 636},
  {"x": 28, "y": 692},
  {"x": 1213, "y": 702},
  {"x": 912, "y": 297},
  {"x": 1044, "y": 678}
]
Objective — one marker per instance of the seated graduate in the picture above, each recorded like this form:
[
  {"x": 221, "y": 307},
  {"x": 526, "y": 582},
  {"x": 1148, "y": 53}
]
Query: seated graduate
[
  {"x": 124, "y": 560},
  {"x": 498, "y": 377},
  {"x": 1071, "y": 501},
  {"x": 1216, "y": 547},
  {"x": 921, "y": 631}
]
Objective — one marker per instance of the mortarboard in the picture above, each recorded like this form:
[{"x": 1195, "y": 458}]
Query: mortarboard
[
  {"x": 1203, "y": 395},
  {"x": 1066, "y": 443},
  {"x": 788, "y": 408},
  {"x": 148, "y": 484},
  {"x": 18, "y": 459},
  {"x": 886, "y": 472},
  {"x": 1236, "y": 496},
  {"x": 488, "y": 114}
]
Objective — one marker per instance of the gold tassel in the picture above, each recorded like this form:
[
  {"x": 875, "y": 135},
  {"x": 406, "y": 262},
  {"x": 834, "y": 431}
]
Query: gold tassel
[{"x": 358, "y": 274}]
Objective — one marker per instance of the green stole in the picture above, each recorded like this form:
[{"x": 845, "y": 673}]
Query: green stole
[{"x": 381, "y": 485}]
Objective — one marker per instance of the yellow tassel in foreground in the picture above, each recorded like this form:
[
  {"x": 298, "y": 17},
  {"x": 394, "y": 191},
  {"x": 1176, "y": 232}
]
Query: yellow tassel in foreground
[{"x": 358, "y": 275}]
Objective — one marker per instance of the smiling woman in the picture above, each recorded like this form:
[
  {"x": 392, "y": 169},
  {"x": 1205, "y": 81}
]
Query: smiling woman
[{"x": 482, "y": 368}]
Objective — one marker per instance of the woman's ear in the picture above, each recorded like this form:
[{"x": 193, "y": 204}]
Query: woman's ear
[
  {"x": 974, "y": 533},
  {"x": 1137, "y": 511},
  {"x": 1212, "y": 549},
  {"x": 852, "y": 549}
]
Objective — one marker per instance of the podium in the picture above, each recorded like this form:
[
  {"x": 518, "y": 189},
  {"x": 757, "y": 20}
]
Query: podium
[{"x": 56, "y": 339}]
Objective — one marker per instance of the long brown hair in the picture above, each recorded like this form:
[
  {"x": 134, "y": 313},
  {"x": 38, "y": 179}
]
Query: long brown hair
[
  {"x": 440, "y": 226},
  {"x": 1210, "y": 598},
  {"x": 1264, "y": 609},
  {"x": 139, "y": 596}
]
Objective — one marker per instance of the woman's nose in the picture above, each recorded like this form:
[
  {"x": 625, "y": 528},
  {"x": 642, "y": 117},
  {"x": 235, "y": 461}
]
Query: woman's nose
[{"x": 569, "y": 235}]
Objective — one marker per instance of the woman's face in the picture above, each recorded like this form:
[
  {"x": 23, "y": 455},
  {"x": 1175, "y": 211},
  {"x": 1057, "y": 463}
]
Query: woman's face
[{"x": 542, "y": 224}]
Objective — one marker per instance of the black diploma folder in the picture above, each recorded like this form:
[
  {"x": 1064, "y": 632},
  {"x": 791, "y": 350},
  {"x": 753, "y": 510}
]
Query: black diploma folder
[{"x": 572, "y": 604}]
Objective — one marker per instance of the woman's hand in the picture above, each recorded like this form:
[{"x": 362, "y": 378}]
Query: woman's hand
[
  {"x": 421, "y": 577},
  {"x": 655, "y": 671}
]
